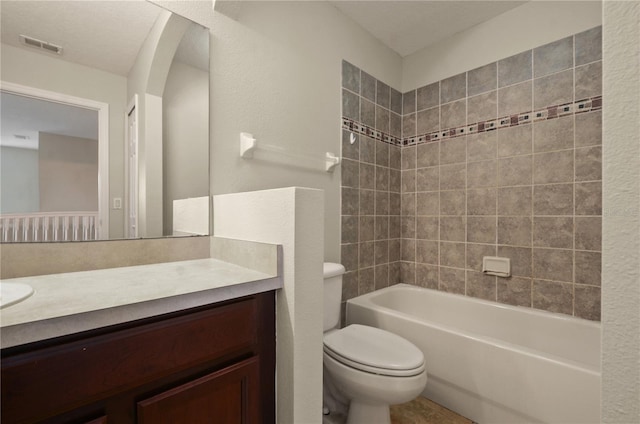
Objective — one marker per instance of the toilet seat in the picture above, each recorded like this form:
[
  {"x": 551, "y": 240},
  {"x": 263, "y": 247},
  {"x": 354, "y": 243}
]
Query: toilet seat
[{"x": 375, "y": 351}]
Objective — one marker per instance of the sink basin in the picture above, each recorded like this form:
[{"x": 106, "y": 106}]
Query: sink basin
[{"x": 12, "y": 293}]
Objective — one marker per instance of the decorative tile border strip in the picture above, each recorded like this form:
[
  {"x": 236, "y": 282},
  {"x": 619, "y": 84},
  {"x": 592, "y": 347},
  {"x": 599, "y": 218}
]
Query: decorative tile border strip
[
  {"x": 362, "y": 129},
  {"x": 550, "y": 112}
]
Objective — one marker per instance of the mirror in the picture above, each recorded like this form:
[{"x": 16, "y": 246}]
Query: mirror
[{"x": 105, "y": 121}]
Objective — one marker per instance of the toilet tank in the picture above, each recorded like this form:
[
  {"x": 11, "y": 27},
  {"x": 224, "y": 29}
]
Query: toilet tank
[{"x": 332, "y": 294}]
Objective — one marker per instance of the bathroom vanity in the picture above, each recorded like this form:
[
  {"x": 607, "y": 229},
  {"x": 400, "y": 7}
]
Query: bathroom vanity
[{"x": 204, "y": 348}]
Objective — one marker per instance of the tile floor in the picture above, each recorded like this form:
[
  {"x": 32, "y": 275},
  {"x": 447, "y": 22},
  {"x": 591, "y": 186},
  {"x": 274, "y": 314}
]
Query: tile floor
[
  {"x": 424, "y": 411},
  {"x": 419, "y": 411}
]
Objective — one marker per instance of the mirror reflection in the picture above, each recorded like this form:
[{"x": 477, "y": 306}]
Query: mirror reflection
[{"x": 105, "y": 122}]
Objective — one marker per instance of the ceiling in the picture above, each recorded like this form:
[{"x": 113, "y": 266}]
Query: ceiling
[
  {"x": 24, "y": 117},
  {"x": 101, "y": 34},
  {"x": 409, "y": 26}
]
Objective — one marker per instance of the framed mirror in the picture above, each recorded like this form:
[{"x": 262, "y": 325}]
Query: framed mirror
[{"x": 105, "y": 122}]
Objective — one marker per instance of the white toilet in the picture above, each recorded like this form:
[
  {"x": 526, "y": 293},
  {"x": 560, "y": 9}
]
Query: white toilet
[{"x": 371, "y": 367}]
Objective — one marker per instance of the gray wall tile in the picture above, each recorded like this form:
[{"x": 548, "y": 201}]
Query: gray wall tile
[
  {"x": 350, "y": 151},
  {"x": 482, "y": 107},
  {"x": 481, "y": 229},
  {"x": 553, "y": 264},
  {"x": 409, "y": 102},
  {"x": 515, "y": 200},
  {"x": 350, "y": 173},
  {"x": 482, "y": 79},
  {"x": 589, "y": 163},
  {"x": 553, "y": 134},
  {"x": 482, "y": 174},
  {"x": 453, "y": 150},
  {"x": 452, "y": 254},
  {"x": 383, "y": 94},
  {"x": 589, "y": 80},
  {"x": 555, "y": 89},
  {"x": 588, "y": 46},
  {"x": 453, "y": 114},
  {"x": 588, "y": 233},
  {"x": 514, "y": 230},
  {"x": 427, "y": 227},
  {"x": 409, "y": 125},
  {"x": 453, "y": 88},
  {"x": 367, "y": 202},
  {"x": 553, "y": 232},
  {"x": 588, "y": 198},
  {"x": 368, "y": 87},
  {"x": 475, "y": 253},
  {"x": 515, "y": 140},
  {"x": 452, "y": 202},
  {"x": 553, "y": 296},
  {"x": 427, "y": 252},
  {"x": 481, "y": 201},
  {"x": 452, "y": 280},
  {"x": 427, "y": 276},
  {"x": 350, "y": 77},
  {"x": 409, "y": 157},
  {"x": 452, "y": 176},
  {"x": 395, "y": 101},
  {"x": 395, "y": 124},
  {"x": 553, "y": 57},
  {"x": 367, "y": 176},
  {"x": 587, "y": 302},
  {"x": 428, "y": 154},
  {"x": 428, "y": 203},
  {"x": 553, "y": 199},
  {"x": 482, "y": 146},
  {"x": 452, "y": 228},
  {"x": 367, "y": 150},
  {"x": 382, "y": 154},
  {"x": 588, "y": 128},
  {"x": 515, "y": 69},
  {"x": 515, "y": 98},
  {"x": 428, "y": 179},
  {"x": 481, "y": 286},
  {"x": 428, "y": 96},
  {"x": 515, "y": 171},
  {"x": 350, "y": 105},
  {"x": 521, "y": 259},
  {"x": 428, "y": 120},
  {"x": 553, "y": 167},
  {"x": 367, "y": 112},
  {"x": 382, "y": 119},
  {"x": 588, "y": 268},
  {"x": 514, "y": 291}
]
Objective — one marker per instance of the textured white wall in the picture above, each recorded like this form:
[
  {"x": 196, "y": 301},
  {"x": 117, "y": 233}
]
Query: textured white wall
[
  {"x": 531, "y": 25},
  {"x": 293, "y": 218},
  {"x": 621, "y": 213},
  {"x": 276, "y": 73}
]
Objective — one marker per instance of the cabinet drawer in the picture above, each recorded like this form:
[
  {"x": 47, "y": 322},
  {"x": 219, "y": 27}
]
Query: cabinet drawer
[{"x": 70, "y": 375}]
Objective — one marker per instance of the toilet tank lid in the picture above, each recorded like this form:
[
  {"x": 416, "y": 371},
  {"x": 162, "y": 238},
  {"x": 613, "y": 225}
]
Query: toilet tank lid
[{"x": 332, "y": 269}]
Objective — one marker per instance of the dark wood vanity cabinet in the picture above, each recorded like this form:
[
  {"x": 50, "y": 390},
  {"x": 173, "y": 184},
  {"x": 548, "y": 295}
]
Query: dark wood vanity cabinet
[{"x": 209, "y": 364}]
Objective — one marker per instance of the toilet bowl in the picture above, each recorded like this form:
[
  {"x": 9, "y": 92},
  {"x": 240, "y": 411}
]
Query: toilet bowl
[{"x": 370, "y": 367}]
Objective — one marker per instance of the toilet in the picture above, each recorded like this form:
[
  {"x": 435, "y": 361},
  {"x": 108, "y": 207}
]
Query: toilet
[{"x": 370, "y": 367}]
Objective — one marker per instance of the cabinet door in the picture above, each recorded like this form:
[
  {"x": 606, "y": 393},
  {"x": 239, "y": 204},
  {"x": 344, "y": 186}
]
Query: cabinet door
[{"x": 228, "y": 396}]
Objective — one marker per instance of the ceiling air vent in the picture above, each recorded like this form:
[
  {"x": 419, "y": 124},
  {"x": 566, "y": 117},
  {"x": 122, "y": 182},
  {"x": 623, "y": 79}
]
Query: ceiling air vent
[{"x": 39, "y": 44}]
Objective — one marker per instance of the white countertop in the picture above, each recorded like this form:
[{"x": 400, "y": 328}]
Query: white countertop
[{"x": 79, "y": 301}]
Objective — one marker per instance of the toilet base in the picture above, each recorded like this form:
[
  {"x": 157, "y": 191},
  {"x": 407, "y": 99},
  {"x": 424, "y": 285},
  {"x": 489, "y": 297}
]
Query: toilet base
[{"x": 361, "y": 413}]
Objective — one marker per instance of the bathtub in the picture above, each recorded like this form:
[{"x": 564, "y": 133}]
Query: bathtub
[{"x": 490, "y": 362}]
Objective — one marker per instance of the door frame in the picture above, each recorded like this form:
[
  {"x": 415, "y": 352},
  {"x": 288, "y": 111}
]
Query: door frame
[
  {"x": 131, "y": 188},
  {"x": 103, "y": 140}
]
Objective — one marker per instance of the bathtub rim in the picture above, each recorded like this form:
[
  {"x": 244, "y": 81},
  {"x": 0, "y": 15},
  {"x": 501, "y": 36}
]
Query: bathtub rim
[{"x": 365, "y": 301}]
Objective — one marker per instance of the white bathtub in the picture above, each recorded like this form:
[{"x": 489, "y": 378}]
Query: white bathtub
[{"x": 490, "y": 362}]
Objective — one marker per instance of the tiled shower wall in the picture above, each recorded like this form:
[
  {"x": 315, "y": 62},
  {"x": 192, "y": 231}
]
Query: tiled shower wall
[
  {"x": 502, "y": 160},
  {"x": 370, "y": 183}
]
